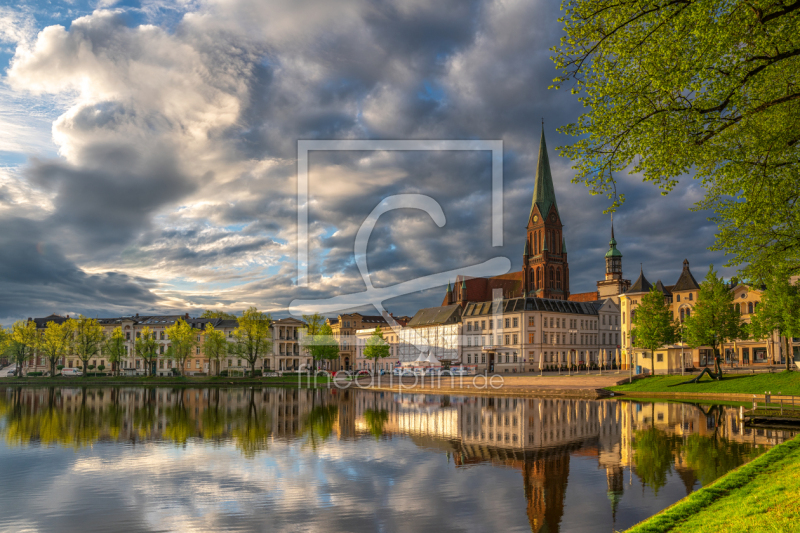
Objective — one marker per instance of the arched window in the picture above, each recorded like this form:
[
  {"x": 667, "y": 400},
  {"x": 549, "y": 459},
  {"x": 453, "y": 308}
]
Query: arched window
[
  {"x": 558, "y": 278},
  {"x": 552, "y": 278},
  {"x": 750, "y": 307},
  {"x": 535, "y": 243},
  {"x": 682, "y": 316}
]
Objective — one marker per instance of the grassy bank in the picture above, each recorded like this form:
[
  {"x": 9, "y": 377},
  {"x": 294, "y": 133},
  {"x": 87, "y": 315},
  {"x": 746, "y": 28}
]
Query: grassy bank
[
  {"x": 783, "y": 382},
  {"x": 759, "y": 496},
  {"x": 171, "y": 381}
]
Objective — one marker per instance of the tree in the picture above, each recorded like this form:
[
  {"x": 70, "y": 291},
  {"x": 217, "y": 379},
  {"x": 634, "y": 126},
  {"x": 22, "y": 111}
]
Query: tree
[
  {"x": 714, "y": 319},
  {"x": 87, "y": 339},
  {"x": 779, "y": 310},
  {"x": 182, "y": 340},
  {"x": 253, "y": 338},
  {"x": 24, "y": 340},
  {"x": 146, "y": 347},
  {"x": 652, "y": 324},
  {"x": 215, "y": 345},
  {"x": 213, "y": 313},
  {"x": 314, "y": 323},
  {"x": 324, "y": 345},
  {"x": 55, "y": 342},
  {"x": 693, "y": 86},
  {"x": 114, "y": 347},
  {"x": 376, "y": 348}
]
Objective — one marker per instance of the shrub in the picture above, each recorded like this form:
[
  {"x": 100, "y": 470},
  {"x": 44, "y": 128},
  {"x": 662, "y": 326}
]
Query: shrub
[
  {"x": 256, "y": 373},
  {"x": 34, "y": 374},
  {"x": 60, "y": 367},
  {"x": 101, "y": 367},
  {"x": 223, "y": 373}
]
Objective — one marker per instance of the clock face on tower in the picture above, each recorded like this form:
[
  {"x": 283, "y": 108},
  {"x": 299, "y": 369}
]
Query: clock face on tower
[{"x": 535, "y": 218}]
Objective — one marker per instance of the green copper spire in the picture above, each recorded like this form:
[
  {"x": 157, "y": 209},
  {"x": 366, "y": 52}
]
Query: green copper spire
[
  {"x": 464, "y": 284},
  {"x": 449, "y": 288},
  {"x": 613, "y": 252},
  {"x": 544, "y": 195}
]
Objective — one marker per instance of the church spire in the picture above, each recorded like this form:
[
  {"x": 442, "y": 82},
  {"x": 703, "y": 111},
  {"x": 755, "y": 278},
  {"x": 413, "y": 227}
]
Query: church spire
[{"x": 544, "y": 195}]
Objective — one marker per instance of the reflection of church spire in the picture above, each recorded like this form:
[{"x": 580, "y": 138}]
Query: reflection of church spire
[
  {"x": 614, "y": 477},
  {"x": 545, "y": 482}
]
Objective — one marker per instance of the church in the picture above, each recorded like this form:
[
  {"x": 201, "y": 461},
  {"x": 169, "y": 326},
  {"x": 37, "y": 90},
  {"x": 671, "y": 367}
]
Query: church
[{"x": 545, "y": 267}]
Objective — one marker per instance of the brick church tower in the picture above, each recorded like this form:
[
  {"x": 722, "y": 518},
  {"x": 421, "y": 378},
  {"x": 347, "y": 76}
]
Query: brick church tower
[{"x": 545, "y": 270}]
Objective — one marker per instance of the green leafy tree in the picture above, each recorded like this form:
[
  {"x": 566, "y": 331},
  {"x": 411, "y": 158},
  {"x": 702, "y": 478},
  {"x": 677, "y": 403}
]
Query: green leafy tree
[
  {"x": 699, "y": 85},
  {"x": 146, "y": 347},
  {"x": 253, "y": 338},
  {"x": 213, "y": 313},
  {"x": 324, "y": 346},
  {"x": 653, "y": 326},
  {"x": 114, "y": 348},
  {"x": 376, "y": 348},
  {"x": 314, "y": 323},
  {"x": 87, "y": 339},
  {"x": 54, "y": 342},
  {"x": 714, "y": 319},
  {"x": 182, "y": 339},
  {"x": 215, "y": 346},
  {"x": 24, "y": 341},
  {"x": 779, "y": 310}
]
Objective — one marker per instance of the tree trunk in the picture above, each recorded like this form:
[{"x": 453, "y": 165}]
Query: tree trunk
[
  {"x": 253, "y": 369},
  {"x": 652, "y": 363},
  {"x": 52, "y": 368},
  {"x": 717, "y": 365},
  {"x": 85, "y": 369},
  {"x": 785, "y": 348}
]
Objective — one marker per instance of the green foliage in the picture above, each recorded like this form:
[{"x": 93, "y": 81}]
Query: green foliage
[
  {"x": 323, "y": 346},
  {"x": 114, "y": 346},
  {"x": 779, "y": 310},
  {"x": 376, "y": 420},
  {"x": 253, "y": 338},
  {"x": 146, "y": 347},
  {"x": 785, "y": 382},
  {"x": 213, "y": 313},
  {"x": 215, "y": 346},
  {"x": 652, "y": 324},
  {"x": 182, "y": 341},
  {"x": 22, "y": 343},
  {"x": 54, "y": 342},
  {"x": 376, "y": 347},
  {"x": 693, "y": 86},
  {"x": 87, "y": 339},
  {"x": 714, "y": 319}
]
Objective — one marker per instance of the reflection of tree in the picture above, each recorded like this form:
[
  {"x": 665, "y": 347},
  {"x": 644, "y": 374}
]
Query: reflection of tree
[
  {"x": 653, "y": 456},
  {"x": 375, "y": 420},
  {"x": 711, "y": 457},
  {"x": 251, "y": 431},
  {"x": 179, "y": 426},
  {"x": 144, "y": 416},
  {"x": 319, "y": 423},
  {"x": 213, "y": 418}
]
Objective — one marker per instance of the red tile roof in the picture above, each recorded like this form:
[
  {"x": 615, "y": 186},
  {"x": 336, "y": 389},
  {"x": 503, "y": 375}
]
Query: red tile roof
[{"x": 584, "y": 297}]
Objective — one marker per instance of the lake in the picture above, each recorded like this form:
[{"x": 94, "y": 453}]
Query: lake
[{"x": 278, "y": 459}]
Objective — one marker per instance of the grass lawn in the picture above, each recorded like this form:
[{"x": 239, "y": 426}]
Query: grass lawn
[
  {"x": 780, "y": 382},
  {"x": 761, "y": 495}
]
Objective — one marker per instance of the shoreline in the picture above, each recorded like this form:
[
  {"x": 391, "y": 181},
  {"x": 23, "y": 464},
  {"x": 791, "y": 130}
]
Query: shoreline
[{"x": 722, "y": 505}]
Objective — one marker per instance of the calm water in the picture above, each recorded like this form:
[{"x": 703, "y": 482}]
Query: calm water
[{"x": 156, "y": 459}]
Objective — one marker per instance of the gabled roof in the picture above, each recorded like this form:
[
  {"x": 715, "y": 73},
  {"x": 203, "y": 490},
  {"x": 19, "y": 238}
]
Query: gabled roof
[
  {"x": 544, "y": 195},
  {"x": 640, "y": 285},
  {"x": 686, "y": 282},
  {"x": 446, "y": 314}
]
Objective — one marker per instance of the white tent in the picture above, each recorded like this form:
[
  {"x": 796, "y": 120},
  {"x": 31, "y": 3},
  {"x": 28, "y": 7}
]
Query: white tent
[{"x": 433, "y": 360}]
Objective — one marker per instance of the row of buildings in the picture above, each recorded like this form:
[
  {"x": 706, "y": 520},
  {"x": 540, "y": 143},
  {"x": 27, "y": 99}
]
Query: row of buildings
[{"x": 517, "y": 322}]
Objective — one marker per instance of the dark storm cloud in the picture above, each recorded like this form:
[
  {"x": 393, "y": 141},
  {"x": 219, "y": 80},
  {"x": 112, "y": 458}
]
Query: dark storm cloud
[
  {"x": 186, "y": 160},
  {"x": 36, "y": 277}
]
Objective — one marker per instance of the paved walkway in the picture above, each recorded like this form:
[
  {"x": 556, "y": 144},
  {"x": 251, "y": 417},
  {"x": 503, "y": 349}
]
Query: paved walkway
[
  {"x": 576, "y": 385},
  {"x": 4, "y": 372}
]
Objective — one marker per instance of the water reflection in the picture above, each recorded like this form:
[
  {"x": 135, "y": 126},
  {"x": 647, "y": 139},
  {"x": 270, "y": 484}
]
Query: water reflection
[{"x": 574, "y": 455}]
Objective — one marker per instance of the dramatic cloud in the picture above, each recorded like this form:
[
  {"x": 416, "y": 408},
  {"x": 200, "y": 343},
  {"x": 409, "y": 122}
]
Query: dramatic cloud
[{"x": 153, "y": 151}]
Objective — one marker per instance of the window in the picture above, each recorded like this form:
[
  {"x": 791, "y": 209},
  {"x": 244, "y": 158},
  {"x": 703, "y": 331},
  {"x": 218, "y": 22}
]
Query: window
[
  {"x": 469, "y": 358},
  {"x": 238, "y": 362},
  {"x": 691, "y": 296},
  {"x": 515, "y": 322},
  {"x": 469, "y": 326},
  {"x": 506, "y": 339},
  {"x": 508, "y": 322},
  {"x": 677, "y": 297},
  {"x": 750, "y": 307},
  {"x": 531, "y": 321},
  {"x": 198, "y": 350},
  {"x": 530, "y": 338},
  {"x": 483, "y": 358},
  {"x": 659, "y": 357},
  {"x": 483, "y": 324},
  {"x": 551, "y": 322},
  {"x": 516, "y": 339}
]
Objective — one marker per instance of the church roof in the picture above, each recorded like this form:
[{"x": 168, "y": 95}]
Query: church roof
[
  {"x": 660, "y": 288},
  {"x": 686, "y": 282},
  {"x": 544, "y": 195},
  {"x": 446, "y": 314},
  {"x": 641, "y": 284}
]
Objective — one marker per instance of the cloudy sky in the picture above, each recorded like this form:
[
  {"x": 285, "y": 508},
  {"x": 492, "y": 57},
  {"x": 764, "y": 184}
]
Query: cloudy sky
[{"x": 148, "y": 152}]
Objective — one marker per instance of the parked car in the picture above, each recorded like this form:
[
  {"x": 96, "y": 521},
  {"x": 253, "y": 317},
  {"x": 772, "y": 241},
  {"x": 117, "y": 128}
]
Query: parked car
[
  {"x": 11, "y": 373},
  {"x": 69, "y": 372},
  {"x": 363, "y": 373}
]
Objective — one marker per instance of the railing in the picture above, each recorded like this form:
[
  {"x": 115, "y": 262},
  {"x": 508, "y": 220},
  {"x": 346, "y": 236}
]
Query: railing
[{"x": 773, "y": 406}]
